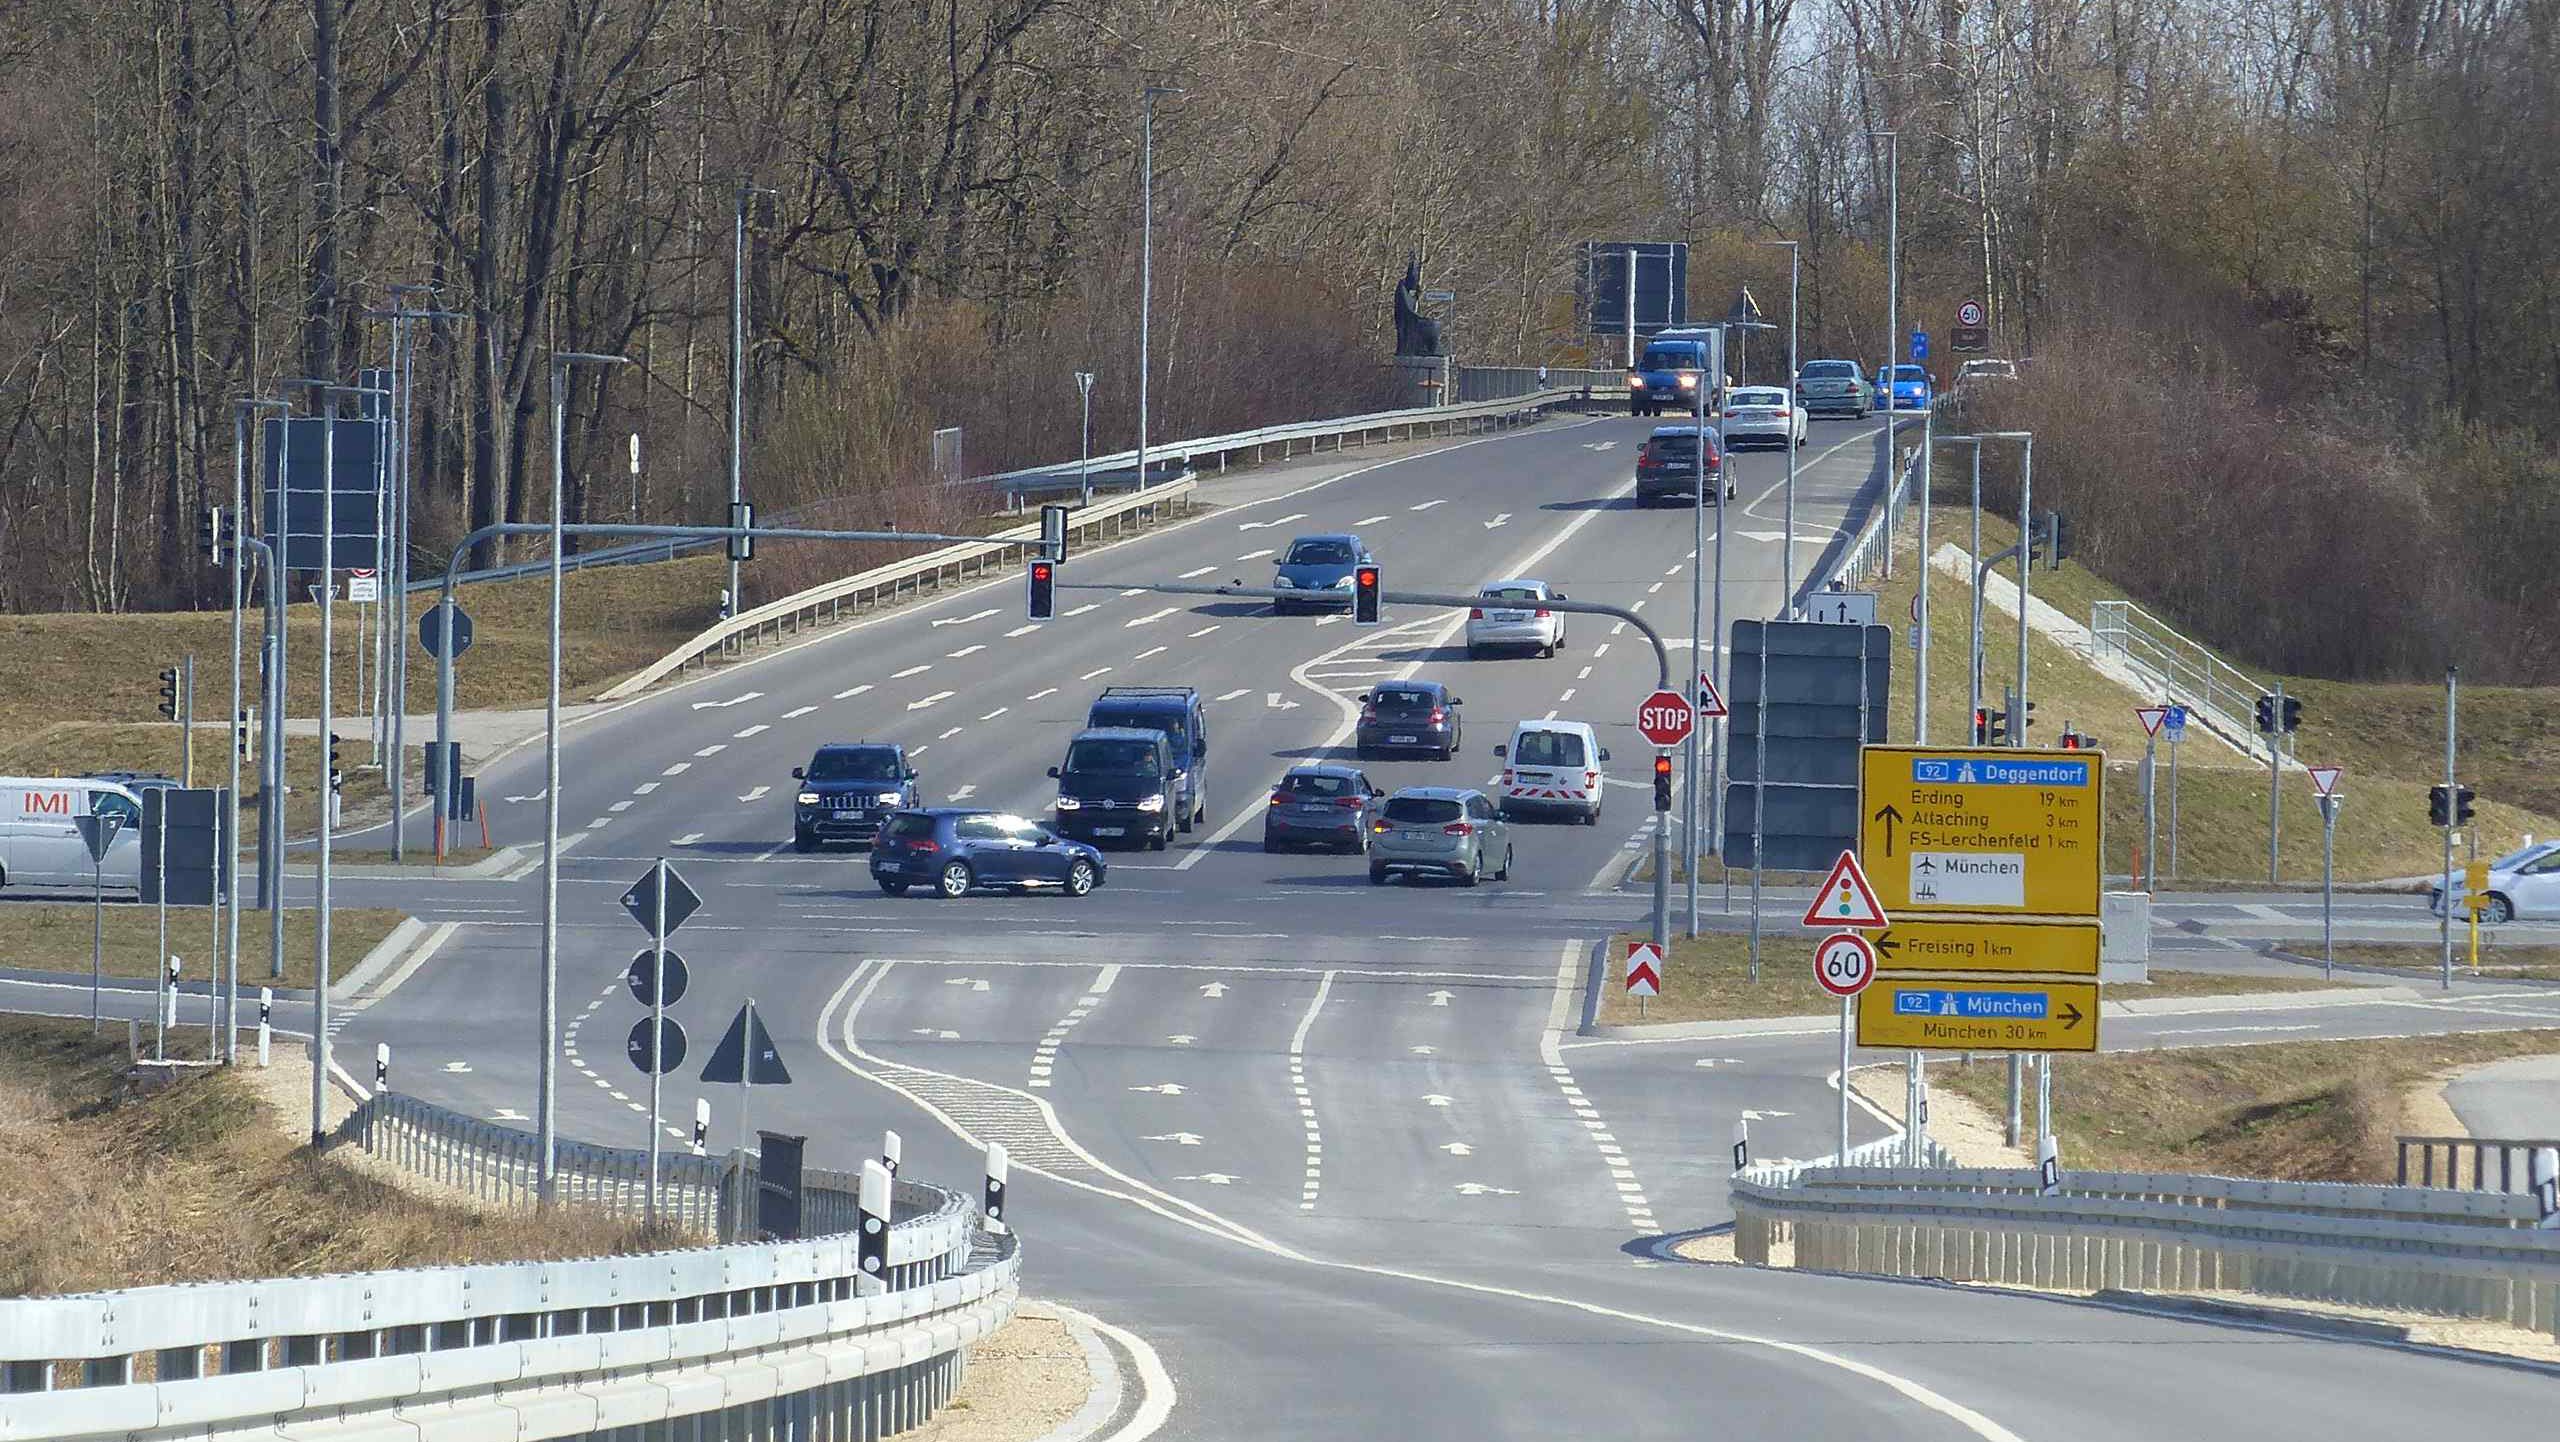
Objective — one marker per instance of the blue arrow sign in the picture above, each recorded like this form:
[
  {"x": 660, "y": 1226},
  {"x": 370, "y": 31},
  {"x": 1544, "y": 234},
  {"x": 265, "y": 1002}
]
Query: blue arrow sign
[{"x": 1919, "y": 345}]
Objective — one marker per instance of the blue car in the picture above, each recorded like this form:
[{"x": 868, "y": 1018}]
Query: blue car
[
  {"x": 1908, "y": 389},
  {"x": 1319, "y": 567},
  {"x": 955, "y": 850}
]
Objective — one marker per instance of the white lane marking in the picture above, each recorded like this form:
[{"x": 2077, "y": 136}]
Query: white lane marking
[
  {"x": 1314, "y": 1178},
  {"x": 965, "y": 792},
  {"x": 1427, "y": 505},
  {"x": 1329, "y": 620},
  {"x": 619, "y": 807},
  {"x": 1096, "y": 671},
  {"x": 1231, "y": 695},
  {"x": 1194, "y": 575},
  {"x": 599, "y": 821},
  {"x": 796, "y": 712},
  {"x": 1133, "y": 591},
  {"x": 1179, "y": 1139},
  {"x": 1151, "y": 617},
  {"x": 1501, "y": 518},
  {"x": 965, "y": 620},
  {"x": 714, "y": 749},
  {"x": 1656, "y": 586},
  {"x": 1150, "y": 651},
  {"x": 1103, "y": 979},
  {"x": 937, "y": 696},
  {"x": 756, "y": 795},
  {"x": 911, "y": 671},
  {"x": 1205, "y": 630},
  {"x": 1585, "y": 674},
  {"x": 1567, "y": 696},
  {"x": 1213, "y": 988},
  {"x": 644, "y": 788},
  {"x": 1087, "y": 606},
  {"x": 757, "y": 729},
  {"x": 1275, "y": 521},
  {"x": 1441, "y": 996},
  {"x": 1254, "y": 555},
  {"x": 1368, "y": 520},
  {"x": 687, "y": 839},
  {"x": 947, "y": 735},
  {"x": 723, "y": 705},
  {"x": 1022, "y": 630},
  {"x": 965, "y": 651},
  {"x": 850, "y": 693},
  {"x": 1000, "y": 710},
  {"x": 1036, "y": 695}
]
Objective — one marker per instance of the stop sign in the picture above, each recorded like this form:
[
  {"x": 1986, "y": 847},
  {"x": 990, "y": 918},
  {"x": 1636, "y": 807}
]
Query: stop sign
[{"x": 1665, "y": 718}]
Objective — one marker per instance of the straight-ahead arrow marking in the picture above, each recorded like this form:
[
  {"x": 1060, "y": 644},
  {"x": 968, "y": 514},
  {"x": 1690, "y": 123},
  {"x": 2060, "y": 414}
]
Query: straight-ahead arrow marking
[
  {"x": 1215, "y": 1179},
  {"x": 965, "y": 792},
  {"x": 1502, "y": 518},
  {"x": 1213, "y": 988},
  {"x": 934, "y": 699},
  {"x": 1478, "y": 1189},
  {"x": 1170, "y": 1089},
  {"x": 537, "y": 796},
  {"x": 756, "y": 794},
  {"x": 1179, "y": 1139},
  {"x": 1440, "y": 998}
]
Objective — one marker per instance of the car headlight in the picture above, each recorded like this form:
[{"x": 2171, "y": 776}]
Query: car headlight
[
  {"x": 808, "y": 798},
  {"x": 1343, "y": 585},
  {"x": 1283, "y": 583},
  {"x": 1069, "y": 803},
  {"x": 1151, "y": 803},
  {"x": 1635, "y": 383},
  {"x": 1688, "y": 383},
  {"x": 890, "y": 798}
]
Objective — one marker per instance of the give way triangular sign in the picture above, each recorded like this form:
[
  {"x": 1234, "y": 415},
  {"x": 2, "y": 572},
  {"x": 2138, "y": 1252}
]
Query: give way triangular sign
[
  {"x": 1844, "y": 899},
  {"x": 1710, "y": 702},
  {"x": 2324, "y": 779},
  {"x": 2151, "y": 717}
]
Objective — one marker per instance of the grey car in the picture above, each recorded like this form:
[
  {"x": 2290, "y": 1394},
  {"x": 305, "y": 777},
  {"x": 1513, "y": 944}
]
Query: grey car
[
  {"x": 1322, "y": 804},
  {"x": 1440, "y": 831}
]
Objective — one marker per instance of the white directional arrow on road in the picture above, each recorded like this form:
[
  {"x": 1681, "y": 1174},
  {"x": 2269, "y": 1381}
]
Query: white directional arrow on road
[
  {"x": 1179, "y": 1139},
  {"x": 1599, "y": 445},
  {"x": 1215, "y": 1179},
  {"x": 732, "y": 701},
  {"x": 508, "y": 1114},
  {"x": 1749, "y": 1115},
  {"x": 1500, "y": 519},
  {"x": 966, "y": 790},
  {"x": 1435, "y": 1100},
  {"x": 965, "y": 620},
  {"x": 1457, "y": 1149},
  {"x": 1478, "y": 1189},
  {"x": 537, "y": 796},
  {"x": 1424, "y": 1050},
  {"x": 1440, "y": 998},
  {"x": 1274, "y": 701},
  {"x": 1267, "y": 525},
  {"x": 936, "y": 697},
  {"x": 756, "y": 794},
  {"x": 1717, "y": 1061},
  {"x": 1180, "y": 1038},
  {"x": 1213, "y": 988},
  {"x": 971, "y": 982},
  {"x": 457, "y": 1067},
  {"x": 1170, "y": 1089},
  {"x": 687, "y": 839}
]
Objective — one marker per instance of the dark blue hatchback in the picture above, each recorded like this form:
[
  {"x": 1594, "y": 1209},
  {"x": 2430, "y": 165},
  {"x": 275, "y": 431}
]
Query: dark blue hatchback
[{"x": 955, "y": 850}]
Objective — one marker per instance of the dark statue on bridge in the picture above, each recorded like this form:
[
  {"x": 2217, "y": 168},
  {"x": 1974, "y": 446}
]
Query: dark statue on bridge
[{"x": 1416, "y": 334}]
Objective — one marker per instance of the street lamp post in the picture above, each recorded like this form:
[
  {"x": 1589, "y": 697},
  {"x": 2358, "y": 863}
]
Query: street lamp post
[
  {"x": 546, "y": 1123},
  {"x": 1787, "y": 560},
  {"x": 1892, "y": 276},
  {"x": 1146, "y": 255},
  {"x": 1084, "y": 443},
  {"x": 241, "y": 411},
  {"x": 747, "y": 189}
]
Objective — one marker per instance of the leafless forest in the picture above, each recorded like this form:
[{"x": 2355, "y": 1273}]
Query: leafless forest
[{"x": 2310, "y": 240}]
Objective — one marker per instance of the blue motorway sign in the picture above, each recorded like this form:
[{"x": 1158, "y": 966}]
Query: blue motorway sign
[
  {"x": 2021, "y": 1005},
  {"x": 1982, "y": 771}
]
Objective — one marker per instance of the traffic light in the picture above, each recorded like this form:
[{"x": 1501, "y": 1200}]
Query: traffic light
[
  {"x": 209, "y": 533},
  {"x": 1995, "y": 728},
  {"x": 1044, "y": 589},
  {"x": 242, "y": 727},
  {"x": 1662, "y": 781},
  {"x": 742, "y": 515},
  {"x": 2266, "y": 715},
  {"x": 1365, "y": 580},
  {"x": 2291, "y": 720},
  {"x": 2057, "y": 539},
  {"x": 169, "y": 693},
  {"x": 2462, "y": 806},
  {"x": 2439, "y": 809},
  {"x": 1981, "y": 726},
  {"x": 337, "y": 778},
  {"x": 2070, "y": 738},
  {"x": 1053, "y": 532}
]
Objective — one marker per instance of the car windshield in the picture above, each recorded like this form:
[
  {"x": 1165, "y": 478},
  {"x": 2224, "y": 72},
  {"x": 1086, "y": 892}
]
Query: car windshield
[
  {"x": 1393, "y": 698},
  {"x": 1511, "y": 593},
  {"x": 1671, "y": 358},
  {"x": 1423, "y": 808},
  {"x": 1315, "y": 784},
  {"x": 1830, "y": 370},
  {"x": 1910, "y": 373},
  {"x": 861, "y": 763},
  {"x": 2519, "y": 856},
  {"x": 1168, "y": 722},
  {"x": 1547, "y": 748},
  {"x": 1319, "y": 553},
  {"x": 1756, "y": 397},
  {"x": 1112, "y": 756}
]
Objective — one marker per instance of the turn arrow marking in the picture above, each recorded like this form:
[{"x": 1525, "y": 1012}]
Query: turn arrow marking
[
  {"x": 1179, "y": 1139},
  {"x": 1457, "y": 1149},
  {"x": 721, "y": 705},
  {"x": 1501, "y": 518},
  {"x": 756, "y": 794},
  {"x": 1478, "y": 1189},
  {"x": 1170, "y": 1089},
  {"x": 935, "y": 698}
]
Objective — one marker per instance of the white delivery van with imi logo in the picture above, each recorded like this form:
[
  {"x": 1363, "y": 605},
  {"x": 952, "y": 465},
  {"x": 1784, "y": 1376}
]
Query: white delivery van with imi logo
[{"x": 40, "y": 843}]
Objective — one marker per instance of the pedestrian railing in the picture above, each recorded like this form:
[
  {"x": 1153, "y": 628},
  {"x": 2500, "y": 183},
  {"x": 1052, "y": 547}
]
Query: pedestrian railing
[
  {"x": 2478, "y": 1255},
  {"x": 2480, "y": 1164},
  {"x": 2218, "y": 695}
]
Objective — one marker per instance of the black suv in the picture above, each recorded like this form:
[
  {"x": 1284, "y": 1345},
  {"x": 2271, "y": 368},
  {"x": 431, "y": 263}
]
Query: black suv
[
  {"x": 846, "y": 791},
  {"x": 1667, "y": 466}
]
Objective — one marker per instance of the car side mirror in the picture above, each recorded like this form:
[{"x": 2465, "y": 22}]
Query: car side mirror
[
  {"x": 1501, "y": 750},
  {"x": 1457, "y": 700},
  {"x": 1200, "y": 748},
  {"x": 1364, "y": 698},
  {"x": 1604, "y": 753},
  {"x": 1053, "y": 773},
  {"x": 799, "y": 773},
  {"x": 912, "y": 773}
]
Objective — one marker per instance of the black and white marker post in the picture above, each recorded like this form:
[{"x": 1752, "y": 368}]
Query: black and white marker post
[
  {"x": 996, "y": 1166},
  {"x": 891, "y": 1149},
  {"x": 873, "y": 1203}
]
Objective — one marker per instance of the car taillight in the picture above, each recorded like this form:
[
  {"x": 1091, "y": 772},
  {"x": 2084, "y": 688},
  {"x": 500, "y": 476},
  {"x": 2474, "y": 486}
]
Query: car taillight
[
  {"x": 1368, "y": 713},
  {"x": 1475, "y": 613},
  {"x": 1644, "y": 454},
  {"x": 1348, "y": 803},
  {"x": 1458, "y": 828},
  {"x": 1377, "y": 826},
  {"x": 1543, "y": 613},
  {"x": 1279, "y": 798},
  {"x": 924, "y": 846},
  {"x": 1441, "y": 713},
  {"x": 1714, "y": 462}
]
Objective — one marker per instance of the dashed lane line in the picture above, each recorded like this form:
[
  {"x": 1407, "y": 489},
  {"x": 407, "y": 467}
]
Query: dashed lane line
[{"x": 1306, "y": 1100}]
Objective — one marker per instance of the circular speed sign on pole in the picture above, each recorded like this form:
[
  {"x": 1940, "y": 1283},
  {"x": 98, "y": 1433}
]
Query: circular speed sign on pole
[{"x": 1844, "y": 963}]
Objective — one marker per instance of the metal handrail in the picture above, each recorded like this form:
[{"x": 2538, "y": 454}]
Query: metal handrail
[
  {"x": 2220, "y": 695},
  {"x": 2507, "y": 1150}
]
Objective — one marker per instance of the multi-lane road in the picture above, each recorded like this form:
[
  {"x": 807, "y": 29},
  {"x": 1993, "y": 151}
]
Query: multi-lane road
[{"x": 1333, "y": 1149}]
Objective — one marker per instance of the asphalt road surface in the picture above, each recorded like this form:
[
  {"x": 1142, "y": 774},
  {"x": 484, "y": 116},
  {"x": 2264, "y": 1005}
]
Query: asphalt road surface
[{"x": 1332, "y": 1149}]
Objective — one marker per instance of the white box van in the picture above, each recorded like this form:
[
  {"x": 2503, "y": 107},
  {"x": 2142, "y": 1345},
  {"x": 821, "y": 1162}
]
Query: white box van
[
  {"x": 41, "y": 847},
  {"x": 1552, "y": 767}
]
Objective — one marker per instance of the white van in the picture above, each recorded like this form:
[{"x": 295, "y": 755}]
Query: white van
[
  {"x": 1552, "y": 767},
  {"x": 41, "y": 847}
]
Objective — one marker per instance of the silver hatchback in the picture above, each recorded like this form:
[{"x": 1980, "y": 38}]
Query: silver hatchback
[{"x": 1440, "y": 831}]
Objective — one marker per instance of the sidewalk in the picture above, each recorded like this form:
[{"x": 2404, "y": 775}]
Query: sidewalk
[{"x": 2517, "y": 1098}]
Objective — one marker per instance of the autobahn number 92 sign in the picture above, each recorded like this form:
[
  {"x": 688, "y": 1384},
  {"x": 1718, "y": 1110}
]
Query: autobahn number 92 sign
[{"x": 1844, "y": 963}]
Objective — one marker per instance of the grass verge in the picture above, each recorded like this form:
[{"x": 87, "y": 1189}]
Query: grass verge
[
  {"x": 1708, "y": 978},
  {"x": 46, "y": 936},
  {"x": 198, "y": 1182},
  {"x": 2499, "y": 961},
  {"x": 2287, "y": 1111}
]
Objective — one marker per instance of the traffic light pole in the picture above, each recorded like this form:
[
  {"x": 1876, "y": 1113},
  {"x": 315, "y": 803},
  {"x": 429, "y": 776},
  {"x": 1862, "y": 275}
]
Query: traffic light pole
[
  {"x": 2275, "y": 783},
  {"x": 2445, "y": 926}
]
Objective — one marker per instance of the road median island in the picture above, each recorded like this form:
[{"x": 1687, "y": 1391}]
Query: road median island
[{"x": 54, "y": 937}]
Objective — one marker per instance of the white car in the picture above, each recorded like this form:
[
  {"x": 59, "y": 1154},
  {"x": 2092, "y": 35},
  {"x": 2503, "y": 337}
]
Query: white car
[
  {"x": 1514, "y": 613},
  {"x": 1552, "y": 768},
  {"x": 1762, "y": 416},
  {"x": 2523, "y": 883}
]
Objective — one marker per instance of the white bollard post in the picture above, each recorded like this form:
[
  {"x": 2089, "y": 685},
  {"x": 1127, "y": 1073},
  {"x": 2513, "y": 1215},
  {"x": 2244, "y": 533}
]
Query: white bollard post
[
  {"x": 701, "y": 1124},
  {"x": 382, "y": 1066},
  {"x": 873, "y": 1202},
  {"x": 2049, "y": 1166},
  {"x": 996, "y": 1167},
  {"x": 266, "y": 1017},
  {"x": 2546, "y": 1185},
  {"x": 169, "y": 1006},
  {"x": 1741, "y": 1144},
  {"x": 891, "y": 1150}
]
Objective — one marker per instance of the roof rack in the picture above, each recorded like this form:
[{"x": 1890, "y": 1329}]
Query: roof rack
[{"x": 1149, "y": 690}]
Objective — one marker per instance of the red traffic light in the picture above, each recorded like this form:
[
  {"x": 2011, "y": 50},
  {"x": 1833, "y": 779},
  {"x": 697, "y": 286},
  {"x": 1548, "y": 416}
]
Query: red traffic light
[
  {"x": 1368, "y": 575},
  {"x": 1662, "y": 767}
]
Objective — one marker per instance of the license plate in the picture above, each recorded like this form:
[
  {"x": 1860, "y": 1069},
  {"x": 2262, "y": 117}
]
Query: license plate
[
  {"x": 1110, "y": 831},
  {"x": 1404, "y": 740},
  {"x": 1424, "y": 835},
  {"x": 1508, "y": 615}
]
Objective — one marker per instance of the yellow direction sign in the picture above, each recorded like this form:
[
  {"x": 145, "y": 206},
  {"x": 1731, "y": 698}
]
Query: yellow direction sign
[
  {"x": 2046, "y": 948},
  {"x": 1983, "y": 830},
  {"x": 1971, "y": 1014}
]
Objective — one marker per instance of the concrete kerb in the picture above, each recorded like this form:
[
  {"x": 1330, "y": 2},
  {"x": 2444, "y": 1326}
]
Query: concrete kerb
[
  {"x": 408, "y": 947},
  {"x": 1102, "y": 1401}
]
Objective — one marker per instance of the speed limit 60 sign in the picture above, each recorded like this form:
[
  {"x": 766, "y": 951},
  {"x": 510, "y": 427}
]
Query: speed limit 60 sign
[{"x": 1844, "y": 963}]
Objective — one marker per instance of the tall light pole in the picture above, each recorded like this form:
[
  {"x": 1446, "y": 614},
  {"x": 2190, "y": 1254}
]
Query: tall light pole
[
  {"x": 747, "y": 189},
  {"x": 241, "y": 411},
  {"x": 1892, "y": 278},
  {"x": 395, "y": 580},
  {"x": 1787, "y": 561},
  {"x": 1973, "y": 651},
  {"x": 1084, "y": 441},
  {"x": 546, "y": 1119},
  {"x": 1146, "y": 254}
]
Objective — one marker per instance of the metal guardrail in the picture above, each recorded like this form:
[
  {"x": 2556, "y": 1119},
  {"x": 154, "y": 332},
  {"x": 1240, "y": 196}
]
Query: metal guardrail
[
  {"x": 2217, "y": 694},
  {"x": 1884, "y": 1151},
  {"x": 2477, "y": 1255},
  {"x": 1866, "y": 556},
  {"x": 825, "y": 603},
  {"x": 2502, "y": 1164}
]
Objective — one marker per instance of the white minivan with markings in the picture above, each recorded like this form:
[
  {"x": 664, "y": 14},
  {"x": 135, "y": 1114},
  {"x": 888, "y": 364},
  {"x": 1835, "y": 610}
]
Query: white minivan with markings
[
  {"x": 40, "y": 843},
  {"x": 1552, "y": 768}
]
